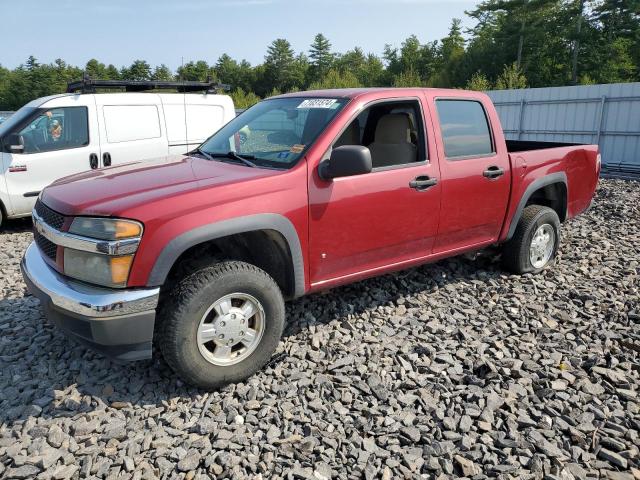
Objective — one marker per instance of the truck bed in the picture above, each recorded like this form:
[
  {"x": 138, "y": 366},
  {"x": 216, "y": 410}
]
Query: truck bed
[{"x": 528, "y": 145}]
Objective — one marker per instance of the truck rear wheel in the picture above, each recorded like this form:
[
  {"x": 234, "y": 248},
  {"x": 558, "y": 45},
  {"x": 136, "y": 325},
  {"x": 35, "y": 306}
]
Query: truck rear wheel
[
  {"x": 535, "y": 242},
  {"x": 221, "y": 324}
]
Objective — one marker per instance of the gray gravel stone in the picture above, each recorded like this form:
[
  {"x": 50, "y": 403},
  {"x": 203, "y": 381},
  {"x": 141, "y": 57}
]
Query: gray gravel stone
[{"x": 446, "y": 370}]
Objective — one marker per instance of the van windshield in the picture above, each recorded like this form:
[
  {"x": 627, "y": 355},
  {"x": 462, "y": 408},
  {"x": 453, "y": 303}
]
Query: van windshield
[
  {"x": 275, "y": 133},
  {"x": 16, "y": 119}
]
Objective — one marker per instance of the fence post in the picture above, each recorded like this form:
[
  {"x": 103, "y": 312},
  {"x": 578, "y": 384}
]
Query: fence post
[
  {"x": 520, "y": 129},
  {"x": 603, "y": 101}
]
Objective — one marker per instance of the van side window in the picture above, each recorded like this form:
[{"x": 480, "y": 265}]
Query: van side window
[
  {"x": 118, "y": 120},
  {"x": 393, "y": 132},
  {"x": 56, "y": 129},
  {"x": 465, "y": 129}
]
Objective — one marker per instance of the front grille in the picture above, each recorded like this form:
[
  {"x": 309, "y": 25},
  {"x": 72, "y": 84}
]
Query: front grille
[
  {"x": 47, "y": 247},
  {"x": 51, "y": 218}
]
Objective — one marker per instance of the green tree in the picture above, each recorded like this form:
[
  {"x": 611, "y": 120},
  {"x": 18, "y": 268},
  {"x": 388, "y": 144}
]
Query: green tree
[
  {"x": 280, "y": 70},
  {"x": 162, "y": 73},
  {"x": 336, "y": 79},
  {"x": 450, "y": 57},
  {"x": 409, "y": 78},
  {"x": 96, "y": 69},
  {"x": 195, "y": 71},
  {"x": 478, "y": 82},
  {"x": 511, "y": 78},
  {"x": 138, "y": 70},
  {"x": 243, "y": 99},
  {"x": 321, "y": 58}
]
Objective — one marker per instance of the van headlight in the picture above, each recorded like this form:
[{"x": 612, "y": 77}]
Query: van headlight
[{"x": 115, "y": 242}]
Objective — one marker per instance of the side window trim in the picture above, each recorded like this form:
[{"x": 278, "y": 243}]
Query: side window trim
[
  {"x": 422, "y": 162},
  {"x": 491, "y": 154},
  {"x": 39, "y": 111}
]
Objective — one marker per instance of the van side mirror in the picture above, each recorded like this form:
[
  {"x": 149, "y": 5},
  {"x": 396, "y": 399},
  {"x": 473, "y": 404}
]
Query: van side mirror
[
  {"x": 346, "y": 161},
  {"x": 14, "y": 143}
]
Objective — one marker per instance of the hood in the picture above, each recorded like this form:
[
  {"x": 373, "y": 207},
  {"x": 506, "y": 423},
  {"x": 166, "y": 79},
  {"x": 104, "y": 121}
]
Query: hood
[{"x": 112, "y": 190}]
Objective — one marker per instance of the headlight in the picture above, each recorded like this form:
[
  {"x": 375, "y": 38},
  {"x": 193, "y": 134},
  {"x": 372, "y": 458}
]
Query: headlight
[
  {"x": 103, "y": 250},
  {"x": 105, "y": 228},
  {"x": 105, "y": 270}
]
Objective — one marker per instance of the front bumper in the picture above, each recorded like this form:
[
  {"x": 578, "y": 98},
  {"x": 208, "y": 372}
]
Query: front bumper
[{"x": 116, "y": 323}]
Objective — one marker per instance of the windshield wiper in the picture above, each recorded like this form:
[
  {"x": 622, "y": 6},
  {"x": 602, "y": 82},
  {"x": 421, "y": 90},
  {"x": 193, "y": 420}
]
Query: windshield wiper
[
  {"x": 246, "y": 159},
  {"x": 202, "y": 152}
]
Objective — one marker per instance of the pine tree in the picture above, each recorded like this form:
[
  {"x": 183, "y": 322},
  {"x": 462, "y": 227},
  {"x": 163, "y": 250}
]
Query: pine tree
[
  {"x": 321, "y": 58},
  {"x": 279, "y": 66}
]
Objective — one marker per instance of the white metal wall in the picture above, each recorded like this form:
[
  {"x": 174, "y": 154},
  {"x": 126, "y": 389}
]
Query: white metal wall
[{"x": 608, "y": 115}]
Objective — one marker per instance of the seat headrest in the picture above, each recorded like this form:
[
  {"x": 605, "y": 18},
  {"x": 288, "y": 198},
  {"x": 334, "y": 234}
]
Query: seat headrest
[
  {"x": 393, "y": 128},
  {"x": 351, "y": 136}
]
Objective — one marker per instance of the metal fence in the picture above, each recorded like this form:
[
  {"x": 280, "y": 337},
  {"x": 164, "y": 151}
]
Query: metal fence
[{"x": 608, "y": 115}]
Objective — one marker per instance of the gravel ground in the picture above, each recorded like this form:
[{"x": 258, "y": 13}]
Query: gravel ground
[{"x": 454, "y": 369}]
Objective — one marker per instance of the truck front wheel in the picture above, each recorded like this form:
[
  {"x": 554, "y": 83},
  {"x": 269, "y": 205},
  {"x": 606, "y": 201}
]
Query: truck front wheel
[
  {"x": 535, "y": 241},
  {"x": 221, "y": 323}
]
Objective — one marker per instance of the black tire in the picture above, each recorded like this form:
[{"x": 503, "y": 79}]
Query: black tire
[
  {"x": 185, "y": 305},
  {"x": 515, "y": 253}
]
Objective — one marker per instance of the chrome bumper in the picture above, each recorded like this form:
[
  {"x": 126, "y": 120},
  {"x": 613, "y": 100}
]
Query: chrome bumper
[
  {"x": 83, "y": 299},
  {"x": 118, "y": 323}
]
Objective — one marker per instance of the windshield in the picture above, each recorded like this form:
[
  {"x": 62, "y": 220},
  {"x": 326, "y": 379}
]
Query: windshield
[
  {"x": 15, "y": 119},
  {"x": 275, "y": 133}
]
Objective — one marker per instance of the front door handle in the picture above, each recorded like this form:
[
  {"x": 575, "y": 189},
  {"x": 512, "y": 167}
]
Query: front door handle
[
  {"x": 106, "y": 159},
  {"x": 423, "y": 182},
  {"x": 493, "y": 172},
  {"x": 93, "y": 161}
]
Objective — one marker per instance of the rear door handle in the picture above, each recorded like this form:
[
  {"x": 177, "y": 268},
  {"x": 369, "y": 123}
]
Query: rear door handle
[
  {"x": 493, "y": 172},
  {"x": 106, "y": 159},
  {"x": 423, "y": 182},
  {"x": 93, "y": 161}
]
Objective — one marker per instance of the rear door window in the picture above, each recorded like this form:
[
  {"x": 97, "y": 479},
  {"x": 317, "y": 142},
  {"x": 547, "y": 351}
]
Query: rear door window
[{"x": 465, "y": 129}]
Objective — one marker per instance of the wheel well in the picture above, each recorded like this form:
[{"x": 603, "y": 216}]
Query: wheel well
[
  {"x": 266, "y": 249},
  {"x": 553, "y": 196}
]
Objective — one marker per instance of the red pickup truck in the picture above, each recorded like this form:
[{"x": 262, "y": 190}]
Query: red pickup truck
[{"x": 196, "y": 254}]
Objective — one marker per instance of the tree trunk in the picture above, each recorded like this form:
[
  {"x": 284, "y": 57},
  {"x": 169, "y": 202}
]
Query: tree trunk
[
  {"x": 576, "y": 46},
  {"x": 522, "y": 27}
]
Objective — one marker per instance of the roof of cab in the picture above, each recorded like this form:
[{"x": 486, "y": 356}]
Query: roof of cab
[{"x": 357, "y": 92}]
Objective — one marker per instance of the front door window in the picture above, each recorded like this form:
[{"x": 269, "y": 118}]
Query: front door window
[{"x": 56, "y": 129}]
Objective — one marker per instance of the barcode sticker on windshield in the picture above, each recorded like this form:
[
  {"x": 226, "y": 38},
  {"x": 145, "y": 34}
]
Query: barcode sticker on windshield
[{"x": 318, "y": 103}]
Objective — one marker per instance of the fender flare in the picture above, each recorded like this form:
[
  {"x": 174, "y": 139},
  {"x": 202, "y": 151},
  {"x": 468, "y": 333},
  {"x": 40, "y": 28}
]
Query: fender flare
[
  {"x": 558, "y": 177},
  {"x": 264, "y": 221}
]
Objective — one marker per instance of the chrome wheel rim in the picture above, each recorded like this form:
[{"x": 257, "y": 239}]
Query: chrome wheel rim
[
  {"x": 542, "y": 245},
  {"x": 231, "y": 329}
]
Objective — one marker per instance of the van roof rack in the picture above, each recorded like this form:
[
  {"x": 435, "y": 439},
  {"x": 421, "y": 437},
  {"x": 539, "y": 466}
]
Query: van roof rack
[{"x": 89, "y": 85}]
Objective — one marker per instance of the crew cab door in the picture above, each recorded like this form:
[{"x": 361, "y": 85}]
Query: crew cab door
[
  {"x": 363, "y": 224},
  {"x": 132, "y": 128},
  {"x": 58, "y": 141},
  {"x": 475, "y": 169}
]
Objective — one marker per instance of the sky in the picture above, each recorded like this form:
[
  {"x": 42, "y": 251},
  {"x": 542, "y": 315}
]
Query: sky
[{"x": 163, "y": 31}]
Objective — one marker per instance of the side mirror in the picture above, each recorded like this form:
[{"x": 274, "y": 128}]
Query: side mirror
[
  {"x": 14, "y": 143},
  {"x": 346, "y": 161}
]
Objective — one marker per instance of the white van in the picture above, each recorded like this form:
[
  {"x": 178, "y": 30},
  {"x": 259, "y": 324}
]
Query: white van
[{"x": 56, "y": 136}]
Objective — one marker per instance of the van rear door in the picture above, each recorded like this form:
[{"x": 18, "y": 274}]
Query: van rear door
[
  {"x": 192, "y": 118},
  {"x": 132, "y": 128}
]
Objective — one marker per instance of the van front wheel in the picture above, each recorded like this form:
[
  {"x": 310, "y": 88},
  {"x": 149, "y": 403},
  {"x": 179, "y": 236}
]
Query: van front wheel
[{"x": 221, "y": 324}]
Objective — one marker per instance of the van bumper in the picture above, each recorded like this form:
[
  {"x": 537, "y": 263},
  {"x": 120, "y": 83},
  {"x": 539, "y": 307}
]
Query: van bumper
[{"x": 115, "y": 322}]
